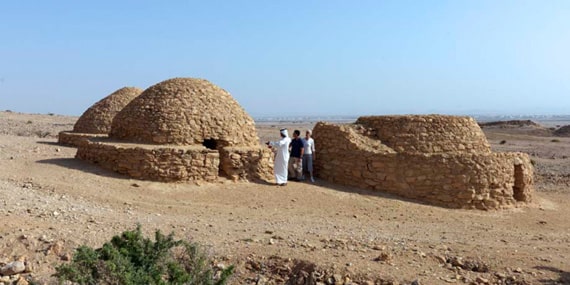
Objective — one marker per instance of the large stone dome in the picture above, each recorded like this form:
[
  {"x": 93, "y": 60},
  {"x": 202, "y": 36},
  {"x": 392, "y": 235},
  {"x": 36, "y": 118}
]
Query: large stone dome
[
  {"x": 185, "y": 111},
  {"x": 98, "y": 118}
]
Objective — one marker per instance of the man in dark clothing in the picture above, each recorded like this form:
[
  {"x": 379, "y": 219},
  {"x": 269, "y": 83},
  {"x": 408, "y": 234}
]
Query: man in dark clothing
[{"x": 296, "y": 156}]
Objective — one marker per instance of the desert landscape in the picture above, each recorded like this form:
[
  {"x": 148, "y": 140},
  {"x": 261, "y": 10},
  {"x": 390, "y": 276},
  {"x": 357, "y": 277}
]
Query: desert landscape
[{"x": 303, "y": 233}]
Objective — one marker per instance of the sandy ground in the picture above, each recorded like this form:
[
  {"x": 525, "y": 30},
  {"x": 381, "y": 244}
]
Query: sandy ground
[{"x": 50, "y": 203}]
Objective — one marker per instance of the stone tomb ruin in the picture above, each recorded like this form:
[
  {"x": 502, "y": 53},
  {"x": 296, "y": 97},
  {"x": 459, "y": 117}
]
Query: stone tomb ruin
[
  {"x": 96, "y": 121},
  {"x": 441, "y": 160},
  {"x": 182, "y": 129}
]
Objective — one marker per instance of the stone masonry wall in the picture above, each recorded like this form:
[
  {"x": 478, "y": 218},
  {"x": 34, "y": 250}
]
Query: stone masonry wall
[
  {"x": 459, "y": 179},
  {"x": 246, "y": 163},
  {"x": 427, "y": 134},
  {"x": 195, "y": 163},
  {"x": 73, "y": 139}
]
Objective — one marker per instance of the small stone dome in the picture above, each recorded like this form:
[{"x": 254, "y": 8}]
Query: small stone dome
[
  {"x": 428, "y": 133},
  {"x": 185, "y": 111},
  {"x": 98, "y": 118}
]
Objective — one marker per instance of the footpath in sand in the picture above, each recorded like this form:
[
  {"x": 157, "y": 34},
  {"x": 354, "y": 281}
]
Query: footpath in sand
[{"x": 51, "y": 203}]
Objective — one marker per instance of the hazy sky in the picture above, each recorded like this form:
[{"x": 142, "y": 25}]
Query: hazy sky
[{"x": 293, "y": 57}]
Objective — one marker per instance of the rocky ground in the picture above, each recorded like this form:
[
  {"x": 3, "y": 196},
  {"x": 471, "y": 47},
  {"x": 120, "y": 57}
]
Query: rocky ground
[{"x": 303, "y": 233}]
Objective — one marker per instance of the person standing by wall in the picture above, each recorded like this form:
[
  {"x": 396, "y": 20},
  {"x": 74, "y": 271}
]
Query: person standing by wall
[
  {"x": 309, "y": 154},
  {"x": 296, "y": 160},
  {"x": 281, "y": 157}
]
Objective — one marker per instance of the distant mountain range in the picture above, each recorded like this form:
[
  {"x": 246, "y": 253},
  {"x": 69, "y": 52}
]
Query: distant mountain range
[{"x": 480, "y": 118}]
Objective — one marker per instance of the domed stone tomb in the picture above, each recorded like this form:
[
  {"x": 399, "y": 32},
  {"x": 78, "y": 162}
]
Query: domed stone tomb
[
  {"x": 185, "y": 111},
  {"x": 441, "y": 160},
  {"x": 96, "y": 121},
  {"x": 182, "y": 129}
]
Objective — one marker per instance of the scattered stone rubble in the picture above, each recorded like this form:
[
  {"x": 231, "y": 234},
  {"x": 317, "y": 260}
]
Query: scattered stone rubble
[
  {"x": 96, "y": 121},
  {"x": 182, "y": 129},
  {"x": 442, "y": 160}
]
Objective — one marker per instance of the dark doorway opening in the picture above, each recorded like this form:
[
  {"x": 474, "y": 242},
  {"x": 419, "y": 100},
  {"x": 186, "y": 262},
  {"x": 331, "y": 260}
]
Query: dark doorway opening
[
  {"x": 518, "y": 188},
  {"x": 210, "y": 143}
]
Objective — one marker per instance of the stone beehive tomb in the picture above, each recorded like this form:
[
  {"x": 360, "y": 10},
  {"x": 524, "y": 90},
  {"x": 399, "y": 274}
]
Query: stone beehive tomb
[
  {"x": 182, "y": 129},
  {"x": 96, "y": 121},
  {"x": 442, "y": 160}
]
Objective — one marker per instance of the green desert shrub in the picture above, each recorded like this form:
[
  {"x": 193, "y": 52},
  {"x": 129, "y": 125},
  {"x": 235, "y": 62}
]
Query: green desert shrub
[
  {"x": 555, "y": 140},
  {"x": 503, "y": 142},
  {"x": 133, "y": 259}
]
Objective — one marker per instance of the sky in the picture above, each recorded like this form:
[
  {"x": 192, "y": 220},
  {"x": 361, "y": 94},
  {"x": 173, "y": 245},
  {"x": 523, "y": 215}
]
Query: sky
[{"x": 293, "y": 57}]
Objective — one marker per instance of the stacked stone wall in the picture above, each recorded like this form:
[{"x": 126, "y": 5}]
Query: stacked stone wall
[
  {"x": 166, "y": 163},
  {"x": 427, "y": 134},
  {"x": 482, "y": 180},
  {"x": 74, "y": 139},
  {"x": 246, "y": 163}
]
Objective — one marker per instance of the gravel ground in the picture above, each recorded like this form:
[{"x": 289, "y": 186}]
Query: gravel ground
[{"x": 51, "y": 203}]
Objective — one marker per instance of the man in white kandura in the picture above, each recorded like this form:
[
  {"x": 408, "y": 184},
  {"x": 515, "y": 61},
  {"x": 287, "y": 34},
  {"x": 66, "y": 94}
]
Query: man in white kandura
[{"x": 281, "y": 148}]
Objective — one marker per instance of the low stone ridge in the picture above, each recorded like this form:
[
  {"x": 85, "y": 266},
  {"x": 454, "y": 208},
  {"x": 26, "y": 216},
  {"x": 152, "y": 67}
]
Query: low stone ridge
[
  {"x": 74, "y": 139},
  {"x": 441, "y": 160},
  {"x": 182, "y": 129},
  {"x": 96, "y": 121}
]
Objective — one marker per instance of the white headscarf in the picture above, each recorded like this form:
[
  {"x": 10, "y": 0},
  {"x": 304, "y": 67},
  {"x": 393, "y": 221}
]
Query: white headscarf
[{"x": 284, "y": 132}]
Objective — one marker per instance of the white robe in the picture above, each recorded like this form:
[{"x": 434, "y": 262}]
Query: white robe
[{"x": 281, "y": 159}]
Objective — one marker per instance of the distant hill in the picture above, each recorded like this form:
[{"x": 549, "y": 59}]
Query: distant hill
[
  {"x": 510, "y": 123},
  {"x": 525, "y": 127},
  {"x": 563, "y": 131}
]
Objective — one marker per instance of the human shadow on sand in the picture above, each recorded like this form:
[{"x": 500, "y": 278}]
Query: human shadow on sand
[
  {"x": 84, "y": 166},
  {"x": 564, "y": 276}
]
